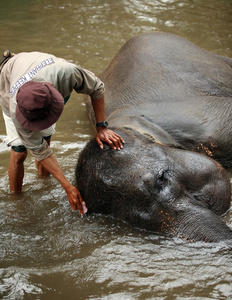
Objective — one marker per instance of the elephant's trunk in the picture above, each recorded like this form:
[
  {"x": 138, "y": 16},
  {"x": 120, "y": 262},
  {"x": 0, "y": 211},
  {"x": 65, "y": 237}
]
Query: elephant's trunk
[{"x": 199, "y": 223}]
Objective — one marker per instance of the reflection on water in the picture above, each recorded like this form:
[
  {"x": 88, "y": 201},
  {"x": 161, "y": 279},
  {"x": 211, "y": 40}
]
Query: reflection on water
[
  {"x": 96, "y": 257},
  {"x": 47, "y": 250}
]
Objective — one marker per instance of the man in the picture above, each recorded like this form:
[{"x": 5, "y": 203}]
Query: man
[{"x": 34, "y": 87}]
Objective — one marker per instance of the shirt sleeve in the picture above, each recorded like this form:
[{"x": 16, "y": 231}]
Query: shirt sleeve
[{"x": 88, "y": 83}]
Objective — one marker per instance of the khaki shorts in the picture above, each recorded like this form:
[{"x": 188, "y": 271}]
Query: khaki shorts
[{"x": 12, "y": 138}]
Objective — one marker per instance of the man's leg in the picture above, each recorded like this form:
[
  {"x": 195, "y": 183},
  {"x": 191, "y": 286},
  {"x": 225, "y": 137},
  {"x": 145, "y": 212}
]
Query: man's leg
[
  {"x": 46, "y": 134},
  {"x": 16, "y": 169},
  {"x": 41, "y": 170},
  {"x": 17, "y": 156}
]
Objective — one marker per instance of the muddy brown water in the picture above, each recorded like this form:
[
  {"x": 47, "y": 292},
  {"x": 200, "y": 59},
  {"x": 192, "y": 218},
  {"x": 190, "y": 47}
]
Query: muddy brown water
[{"x": 48, "y": 251}]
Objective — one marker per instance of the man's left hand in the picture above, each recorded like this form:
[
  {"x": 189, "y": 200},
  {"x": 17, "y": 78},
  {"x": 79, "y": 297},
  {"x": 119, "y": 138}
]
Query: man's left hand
[{"x": 110, "y": 137}]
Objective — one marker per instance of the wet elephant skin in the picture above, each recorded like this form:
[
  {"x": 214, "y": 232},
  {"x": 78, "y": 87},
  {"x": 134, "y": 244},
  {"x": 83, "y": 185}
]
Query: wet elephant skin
[{"x": 171, "y": 101}]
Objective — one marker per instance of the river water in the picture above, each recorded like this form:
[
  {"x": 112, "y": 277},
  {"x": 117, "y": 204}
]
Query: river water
[{"x": 47, "y": 250}]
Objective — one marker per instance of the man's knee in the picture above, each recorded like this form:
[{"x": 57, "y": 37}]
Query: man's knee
[{"x": 18, "y": 153}]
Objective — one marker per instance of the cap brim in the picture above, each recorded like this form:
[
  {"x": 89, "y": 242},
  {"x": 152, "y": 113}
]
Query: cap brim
[{"x": 57, "y": 106}]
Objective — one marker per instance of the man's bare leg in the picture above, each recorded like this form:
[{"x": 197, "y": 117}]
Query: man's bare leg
[
  {"x": 42, "y": 171},
  {"x": 16, "y": 170}
]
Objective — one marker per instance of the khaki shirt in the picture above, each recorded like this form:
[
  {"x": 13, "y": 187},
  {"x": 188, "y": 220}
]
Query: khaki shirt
[{"x": 43, "y": 67}]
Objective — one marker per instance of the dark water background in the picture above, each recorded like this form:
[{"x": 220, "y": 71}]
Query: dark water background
[{"x": 47, "y": 251}]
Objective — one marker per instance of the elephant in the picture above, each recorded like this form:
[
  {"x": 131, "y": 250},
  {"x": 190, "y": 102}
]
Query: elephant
[{"x": 171, "y": 102}]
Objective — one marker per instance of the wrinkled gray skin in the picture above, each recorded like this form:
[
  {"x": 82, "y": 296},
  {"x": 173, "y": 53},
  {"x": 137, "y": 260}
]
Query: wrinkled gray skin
[{"x": 172, "y": 103}]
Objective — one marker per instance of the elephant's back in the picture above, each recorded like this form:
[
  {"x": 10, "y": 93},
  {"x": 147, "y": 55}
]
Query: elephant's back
[
  {"x": 161, "y": 67},
  {"x": 176, "y": 85}
]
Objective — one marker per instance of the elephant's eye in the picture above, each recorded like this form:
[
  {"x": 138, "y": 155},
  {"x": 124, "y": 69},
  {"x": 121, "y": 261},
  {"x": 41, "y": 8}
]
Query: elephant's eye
[
  {"x": 161, "y": 180},
  {"x": 161, "y": 176}
]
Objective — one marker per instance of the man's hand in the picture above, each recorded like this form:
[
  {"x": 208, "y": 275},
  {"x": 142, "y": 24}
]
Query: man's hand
[
  {"x": 104, "y": 134},
  {"x": 75, "y": 199},
  {"x": 110, "y": 137}
]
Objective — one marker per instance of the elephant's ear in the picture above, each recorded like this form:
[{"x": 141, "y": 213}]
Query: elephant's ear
[{"x": 145, "y": 129}]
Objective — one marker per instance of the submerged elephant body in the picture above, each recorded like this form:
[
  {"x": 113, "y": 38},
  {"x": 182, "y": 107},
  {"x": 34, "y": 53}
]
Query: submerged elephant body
[{"x": 172, "y": 103}]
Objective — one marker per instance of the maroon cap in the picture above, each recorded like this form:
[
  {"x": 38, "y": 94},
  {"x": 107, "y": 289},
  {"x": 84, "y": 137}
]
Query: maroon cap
[{"x": 39, "y": 105}]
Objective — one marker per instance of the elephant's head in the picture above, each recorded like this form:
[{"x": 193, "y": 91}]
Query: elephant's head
[{"x": 156, "y": 187}]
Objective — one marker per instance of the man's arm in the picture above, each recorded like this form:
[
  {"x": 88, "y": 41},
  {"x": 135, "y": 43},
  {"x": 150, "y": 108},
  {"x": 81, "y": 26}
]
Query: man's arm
[
  {"x": 104, "y": 134},
  {"x": 86, "y": 82},
  {"x": 73, "y": 194}
]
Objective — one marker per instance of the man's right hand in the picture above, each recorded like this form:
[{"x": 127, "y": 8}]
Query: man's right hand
[
  {"x": 75, "y": 199},
  {"x": 74, "y": 196}
]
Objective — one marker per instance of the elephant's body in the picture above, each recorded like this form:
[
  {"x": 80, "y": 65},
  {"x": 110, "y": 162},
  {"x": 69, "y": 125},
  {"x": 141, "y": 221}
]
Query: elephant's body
[{"x": 170, "y": 101}]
